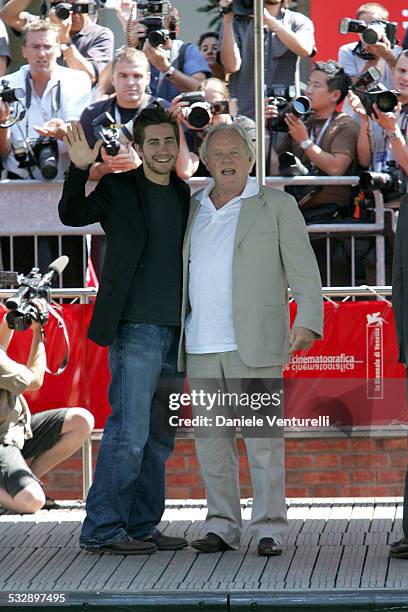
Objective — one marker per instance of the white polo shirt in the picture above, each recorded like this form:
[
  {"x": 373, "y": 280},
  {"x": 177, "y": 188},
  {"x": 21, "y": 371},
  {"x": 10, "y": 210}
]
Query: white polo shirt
[
  {"x": 68, "y": 91},
  {"x": 209, "y": 326}
]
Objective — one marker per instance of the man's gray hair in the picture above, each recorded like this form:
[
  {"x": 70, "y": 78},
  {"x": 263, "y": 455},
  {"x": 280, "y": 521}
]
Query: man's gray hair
[{"x": 228, "y": 128}]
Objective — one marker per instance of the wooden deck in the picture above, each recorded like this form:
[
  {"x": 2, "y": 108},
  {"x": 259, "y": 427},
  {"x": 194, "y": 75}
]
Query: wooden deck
[{"x": 334, "y": 549}]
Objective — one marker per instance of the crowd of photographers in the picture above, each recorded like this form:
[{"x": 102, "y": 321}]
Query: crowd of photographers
[{"x": 72, "y": 72}]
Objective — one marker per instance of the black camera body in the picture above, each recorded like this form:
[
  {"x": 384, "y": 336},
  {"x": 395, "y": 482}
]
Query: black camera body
[
  {"x": 8, "y": 94},
  {"x": 35, "y": 285},
  {"x": 391, "y": 182},
  {"x": 300, "y": 107},
  {"x": 200, "y": 112},
  {"x": 41, "y": 152},
  {"x": 370, "y": 32},
  {"x": 64, "y": 9},
  {"x": 105, "y": 129},
  {"x": 155, "y": 33},
  {"x": 385, "y": 99}
]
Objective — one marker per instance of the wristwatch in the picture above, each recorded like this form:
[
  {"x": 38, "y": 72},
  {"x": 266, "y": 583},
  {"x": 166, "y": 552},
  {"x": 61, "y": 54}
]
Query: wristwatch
[
  {"x": 305, "y": 144},
  {"x": 65, "y": 46},
  {"x": 395, "y": 135},
  {"x": 170, "y": 72}
]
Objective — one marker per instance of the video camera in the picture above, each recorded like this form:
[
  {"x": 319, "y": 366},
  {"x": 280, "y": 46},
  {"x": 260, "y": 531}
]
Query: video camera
[
  {"x": 35, "y": 285},
  {"x": 199, "y": 112},
  {"x": 64, "y": 9},
  {"x": 153, "y": 14},
  {"x": 41, "y": 152},
  {"x": 391, "y": 182},
  {"x": 286, "y": 102},
  {"x": 372, "y": 32},
  {"x": 375, "y": 93}
]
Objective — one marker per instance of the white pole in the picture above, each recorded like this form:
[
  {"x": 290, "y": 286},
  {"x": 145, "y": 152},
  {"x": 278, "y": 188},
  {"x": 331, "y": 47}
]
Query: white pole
[{"x": 259, "y": 91}]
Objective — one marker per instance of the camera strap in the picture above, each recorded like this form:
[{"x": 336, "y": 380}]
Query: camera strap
[
  {"x": 323, "y": 130},
  {"x": 55, "y": 99},
  {"x": 61, "y": 324}
]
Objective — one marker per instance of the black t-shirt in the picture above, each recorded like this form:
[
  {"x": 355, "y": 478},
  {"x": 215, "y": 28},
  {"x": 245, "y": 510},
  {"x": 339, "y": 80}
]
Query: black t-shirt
[{"x": 155, "y": 292}]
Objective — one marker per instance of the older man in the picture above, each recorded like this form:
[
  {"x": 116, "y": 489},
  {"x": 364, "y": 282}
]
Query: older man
[{"x": 244, "y": 243}]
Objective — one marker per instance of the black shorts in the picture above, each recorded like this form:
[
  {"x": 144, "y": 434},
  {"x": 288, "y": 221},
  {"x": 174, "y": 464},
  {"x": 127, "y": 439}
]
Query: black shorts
[{"x": 15, "y": 474}]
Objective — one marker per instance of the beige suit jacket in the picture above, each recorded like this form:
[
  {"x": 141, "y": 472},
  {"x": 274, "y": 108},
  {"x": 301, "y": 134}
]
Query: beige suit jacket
[{"x": 271, "y": 252}]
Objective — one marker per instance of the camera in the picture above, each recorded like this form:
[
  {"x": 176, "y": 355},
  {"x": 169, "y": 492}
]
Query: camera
[
  {"x": 105, "y": 128},
  {"x": 300, "y": 107},
  {"x": 372, "y": 32},
  {"x": 290, "y": 165},
  {"x": 385, "y": 99},
  {"x": 64, "y": 9},
  {"x": 391, "y": 182},
  {"x": 35, "y": 285},
  {"x": 8, "y": 94},
  {"x": 41, "y": 152},
  {"x": 200, "y": 112},
  {"x": 153, "y": 14}
]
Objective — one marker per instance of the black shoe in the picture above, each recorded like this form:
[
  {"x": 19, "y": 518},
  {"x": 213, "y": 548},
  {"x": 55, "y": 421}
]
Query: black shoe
[
  {"x": 268, "y": 547},
  {"x": 210, "y": 543},
  {"x": 163, "y": 542},
  {"x": 399, "y": 549},
  {"x": 126, "y": 546}
]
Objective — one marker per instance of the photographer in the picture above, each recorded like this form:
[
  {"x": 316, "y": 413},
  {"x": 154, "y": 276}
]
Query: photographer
[
  {"x": 31, "y": 445},
  {"x": 357, "y": 58},
  {"x": 53, "y": 96},
  {"x": 85, "y": 45},
  {"x": 326, "y": 141},
  {"x": 382, "y": 136},
  {"x": 130, "y": 76},
  {"x": 5, "y": 56},
  {"x": 221, "y": 109},
  {"x": 289, "y": 36},
  {"x": 175, "y": 66}
]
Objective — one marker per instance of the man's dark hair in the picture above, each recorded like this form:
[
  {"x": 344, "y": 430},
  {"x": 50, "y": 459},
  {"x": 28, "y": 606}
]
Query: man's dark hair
[
  {"x": 337, "y": 78},
  {"x": 153, "y": 115},
  {"x": 207, "y": 35}
]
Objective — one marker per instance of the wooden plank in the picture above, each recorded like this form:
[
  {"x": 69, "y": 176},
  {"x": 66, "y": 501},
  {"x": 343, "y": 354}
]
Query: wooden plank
[
  {"x": 301, "y": 567},
  {"x": 351, "y": 566},
  {"x": 21, "y": 579},
  {"x": 375, "y": 567},
  {"x": 325, "y": 570}
]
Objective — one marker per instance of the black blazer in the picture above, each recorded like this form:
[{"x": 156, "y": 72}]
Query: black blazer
[
  {"x": 118, "y": 203},
  {"x": 400, "y": 281}
]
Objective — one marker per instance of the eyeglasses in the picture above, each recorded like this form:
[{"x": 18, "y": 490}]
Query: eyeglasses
[{"x": 47, "y": 48}]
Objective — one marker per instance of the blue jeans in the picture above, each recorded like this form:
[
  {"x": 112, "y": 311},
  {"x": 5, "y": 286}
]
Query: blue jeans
[{"x": 128, "y": 493}]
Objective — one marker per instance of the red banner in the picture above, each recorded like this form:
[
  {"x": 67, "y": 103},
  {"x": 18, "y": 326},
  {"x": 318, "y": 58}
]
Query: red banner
[
  {"x": 327, "y": 15},
  {"x": 352, "y": 375}
]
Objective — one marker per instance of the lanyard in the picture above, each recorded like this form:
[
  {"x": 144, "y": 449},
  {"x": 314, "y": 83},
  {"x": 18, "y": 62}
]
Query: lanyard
[{"x": 324, "y": 129}]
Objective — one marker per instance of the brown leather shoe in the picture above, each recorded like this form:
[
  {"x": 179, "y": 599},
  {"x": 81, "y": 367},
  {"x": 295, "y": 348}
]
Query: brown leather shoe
[
  {"x": 399, "y": 549},
  {"x": 210, "y": 543},
  {"x": 126, "y": 546},
  {"x": 268, "y": 547}
]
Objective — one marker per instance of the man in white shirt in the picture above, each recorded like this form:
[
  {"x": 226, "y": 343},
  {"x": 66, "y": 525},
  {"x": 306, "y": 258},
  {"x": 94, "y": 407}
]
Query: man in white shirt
[
  {"x": 243, "y": 245},
  {"x": 54, "y": 95}
]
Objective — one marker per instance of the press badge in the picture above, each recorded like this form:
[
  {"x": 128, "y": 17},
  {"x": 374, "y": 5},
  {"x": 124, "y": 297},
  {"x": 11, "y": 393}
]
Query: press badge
[{"x": 381, "y": 157}]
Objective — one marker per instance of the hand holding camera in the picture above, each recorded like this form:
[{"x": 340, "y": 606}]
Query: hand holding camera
[
  {"x": 157, "y": 56},
  {"x": 296, "y": 127}
]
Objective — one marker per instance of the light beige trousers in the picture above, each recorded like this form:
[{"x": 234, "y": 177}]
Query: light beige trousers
[{"x": 218, "y": 458}]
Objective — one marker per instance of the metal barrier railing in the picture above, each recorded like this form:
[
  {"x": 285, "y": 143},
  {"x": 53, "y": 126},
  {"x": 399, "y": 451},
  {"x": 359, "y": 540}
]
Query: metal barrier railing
[{"x": 42, "y": 196}]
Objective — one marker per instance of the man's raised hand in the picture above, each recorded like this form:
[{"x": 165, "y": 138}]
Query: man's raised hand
[{"x": 81, "y": 154}]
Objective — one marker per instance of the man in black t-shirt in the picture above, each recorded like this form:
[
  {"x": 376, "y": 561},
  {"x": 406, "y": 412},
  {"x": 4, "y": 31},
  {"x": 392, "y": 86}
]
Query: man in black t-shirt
[
  {"x": 130, "y": 76},
  {"x": 137, "y": 313}
]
